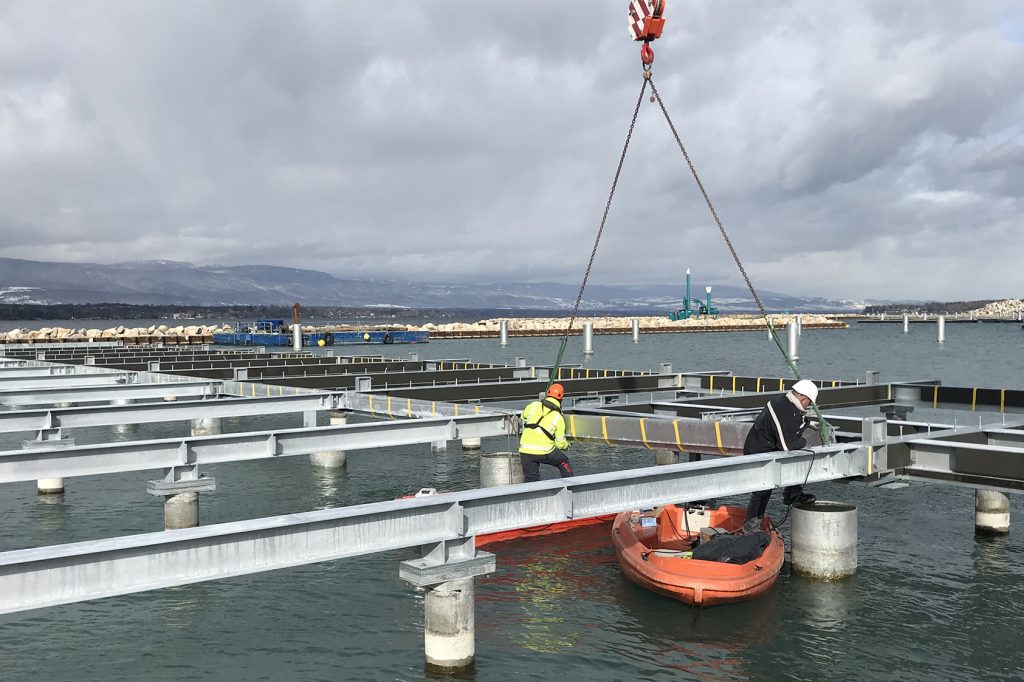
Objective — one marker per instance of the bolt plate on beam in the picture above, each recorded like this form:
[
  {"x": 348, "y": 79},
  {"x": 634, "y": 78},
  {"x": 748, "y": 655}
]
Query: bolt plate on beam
[{"x": 422, "y": 573}]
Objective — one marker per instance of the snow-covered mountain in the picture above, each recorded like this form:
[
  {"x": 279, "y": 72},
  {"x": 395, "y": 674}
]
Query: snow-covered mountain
[{"x": 170, "y": 282}]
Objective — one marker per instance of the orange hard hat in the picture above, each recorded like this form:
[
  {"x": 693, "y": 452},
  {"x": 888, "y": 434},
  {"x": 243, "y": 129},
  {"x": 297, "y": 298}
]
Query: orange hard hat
[{"x": 556, "y": 391}]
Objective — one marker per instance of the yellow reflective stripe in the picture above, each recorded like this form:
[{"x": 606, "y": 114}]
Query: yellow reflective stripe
[
  {"x": 433, "y": 408},
  {"x": 372, "y": 413},
  {"x": 280, "y": 390},
  {"x": 606, "y": 374},
  {"x": 675, "y": 425},
  {"x": 389, "y": 408},
  {"x": 781, "y": 384},
  {"x": 758, "y": 389},
  {"x": 711, "y": 384},
  {"x": 643, "y": 433},
  {"x": 572, "y": 425},
  {"x": 935, "y": 397},
  {"x": 734, "y": 384},
  {"x": 268, "y": 390},
  {"x": 456, "y": 409},
  {"x": 1002, "y": 399},
  {"x": 296, "y": 390},
  {"x": 476, "y": 410},
  {"x": 254, "y": 390},
  {"x": 834, "y": 382},
  {"x": 974, "y": 399},
  {"x": 588, "y": 372},
  {"x": 718, "y": 436},
  {"x": 604, "y": 429},
  {"x": 408, "y": 407}
]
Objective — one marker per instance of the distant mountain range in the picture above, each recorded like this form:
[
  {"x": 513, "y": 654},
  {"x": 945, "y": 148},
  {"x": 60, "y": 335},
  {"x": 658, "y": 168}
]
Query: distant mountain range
[{"x": 170, "y": 282}]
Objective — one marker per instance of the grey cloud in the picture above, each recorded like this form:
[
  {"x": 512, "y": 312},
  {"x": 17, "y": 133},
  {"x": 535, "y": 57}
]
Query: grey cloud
[{"x": 851, "y": 148}]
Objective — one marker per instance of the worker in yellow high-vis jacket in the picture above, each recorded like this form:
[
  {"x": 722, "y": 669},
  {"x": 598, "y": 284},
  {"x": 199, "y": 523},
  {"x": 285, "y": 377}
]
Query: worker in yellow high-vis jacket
[{"x": 543, "y": 440}]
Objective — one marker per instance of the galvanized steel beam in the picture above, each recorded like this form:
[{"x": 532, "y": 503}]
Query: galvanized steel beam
[
  {"x": 48, "y": 396},
  {"x": 48, "y": 576},
  {"x": 89, "y": 460}
]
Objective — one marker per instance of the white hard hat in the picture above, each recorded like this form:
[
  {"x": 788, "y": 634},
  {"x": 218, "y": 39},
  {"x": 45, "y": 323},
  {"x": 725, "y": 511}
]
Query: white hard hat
[{"x": 806, "y": 387}]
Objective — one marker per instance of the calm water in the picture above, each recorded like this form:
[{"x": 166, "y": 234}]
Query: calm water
[{"x": 929, "y": 602}]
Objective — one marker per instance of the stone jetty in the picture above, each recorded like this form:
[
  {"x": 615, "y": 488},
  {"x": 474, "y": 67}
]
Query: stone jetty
[{"x": 535, "y": 326}]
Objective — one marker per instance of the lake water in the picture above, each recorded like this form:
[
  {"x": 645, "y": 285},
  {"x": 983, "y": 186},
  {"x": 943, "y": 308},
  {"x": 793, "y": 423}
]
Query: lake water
[{"x": 930, "y": 601}]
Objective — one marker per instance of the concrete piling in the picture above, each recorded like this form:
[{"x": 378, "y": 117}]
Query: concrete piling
[
  {"x": 181, "y": 511},
  {"x": 588, "y": 338},
  {"x": 438, "y": 446},
  {"x": 471, "y": 443},
  {"x": 206, "y": 426},
  {"x": 331, "y": 459},
  {"x": 500, "y": 468},
  {"x": 941, "y": 327},
  {"x": 296, "y": 337},
  {"x": 663, "y": 457},
  {"x": 824, "y": 540},
  {"x": 906, "y": 323},
  {"x": 991, "y": 513},
  {"x": 636, "y": 330},
  {"x": 449, "y": 637},
  {"x": 53, "y": 485},
  {"x": 503, "y": 332}
]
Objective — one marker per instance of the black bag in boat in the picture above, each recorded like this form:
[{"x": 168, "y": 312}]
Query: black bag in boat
[{"x": 733, "y": 549}]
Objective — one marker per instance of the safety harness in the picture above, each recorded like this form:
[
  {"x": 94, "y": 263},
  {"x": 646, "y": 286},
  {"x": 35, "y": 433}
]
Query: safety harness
[{"x": 550, "y": 407}]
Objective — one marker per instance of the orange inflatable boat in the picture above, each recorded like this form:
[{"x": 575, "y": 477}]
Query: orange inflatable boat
[{"x": 655, "y": 551}]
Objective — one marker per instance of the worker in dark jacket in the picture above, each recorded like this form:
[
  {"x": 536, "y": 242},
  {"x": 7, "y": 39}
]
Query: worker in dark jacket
[{"x": 780, "y": 427}]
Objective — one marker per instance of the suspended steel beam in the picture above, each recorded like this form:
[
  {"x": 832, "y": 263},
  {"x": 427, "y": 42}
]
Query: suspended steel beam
[{"x": 48, "y": 576}]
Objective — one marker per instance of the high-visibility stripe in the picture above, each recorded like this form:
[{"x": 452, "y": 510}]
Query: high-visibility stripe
[
  {"x": 1002, "y": 400},
  {"x": 718, "y": 436},
  {"x": 456, "y": 409},
  {"x": 871, "y": 452},
  {"x": 711, "y": 384},
  {"x": 935, "y": 397},
  {"x": 782, "y": 385},
  {"x": 408, "y": 407},
  {"x": 372, "y": 413},
  {"x": 974, "y": 399},
  {"x": 433, "y": 408},
  {"x": 643, "y": 433},
  {"x": 389, "y": 408},
  {"x": 734, "y": 384},
  {"x": 280, "y": 390},
  {"x": 834, "y": 382},
  {"x": 604, "y": 429},
  {"x": 606, "y": 374},
  {"x": 254, "y": 390},
  {"x": 675, "y": 425},
  {"x": 758, "y": 389},
  {"x": 268, "y": 390},
  {"x": 476, "y": 410}
]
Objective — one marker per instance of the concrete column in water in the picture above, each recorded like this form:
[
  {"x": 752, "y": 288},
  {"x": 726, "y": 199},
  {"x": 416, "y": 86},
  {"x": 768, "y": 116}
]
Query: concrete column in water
[
  {"x": 941, "y": 327},
  {"x": 449, "y": 626},
  {"x": 181, "y": 511},
  {"x": 438, "y": 446},
  {"x": 331, "y": 459},
  {"x": 991, "y": 513},
  {"x": 588, "y": 338},
  {"x": 207, "y": 426},
  {"x": 471, "y": 443},
  {"x": 54, "y": 485},
  {"x": 662, "y": 457},
  {"x": 500, "y": 468},
  {"x": 799, "y": 325},
  {"x": 296, "y": 337},
  {"x": 792, "y": 342},
  {"x": 503, "y": 332},
  {"x": 824, "y": 540},
  {"x": 180, "y": 489},
  {"x": 906, "y": 323},
  {"x": 636, "y": 330}
]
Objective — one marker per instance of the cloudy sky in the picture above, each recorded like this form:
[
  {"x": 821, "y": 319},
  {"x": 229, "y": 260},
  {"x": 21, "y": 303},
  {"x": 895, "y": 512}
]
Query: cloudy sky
[{"x": 855, "y": 149}]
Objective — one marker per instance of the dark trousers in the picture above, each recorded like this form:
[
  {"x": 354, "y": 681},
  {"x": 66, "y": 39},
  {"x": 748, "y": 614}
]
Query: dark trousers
[
  {"x": 759, "y": 500},
  {"x": 531, "y": 464}
]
